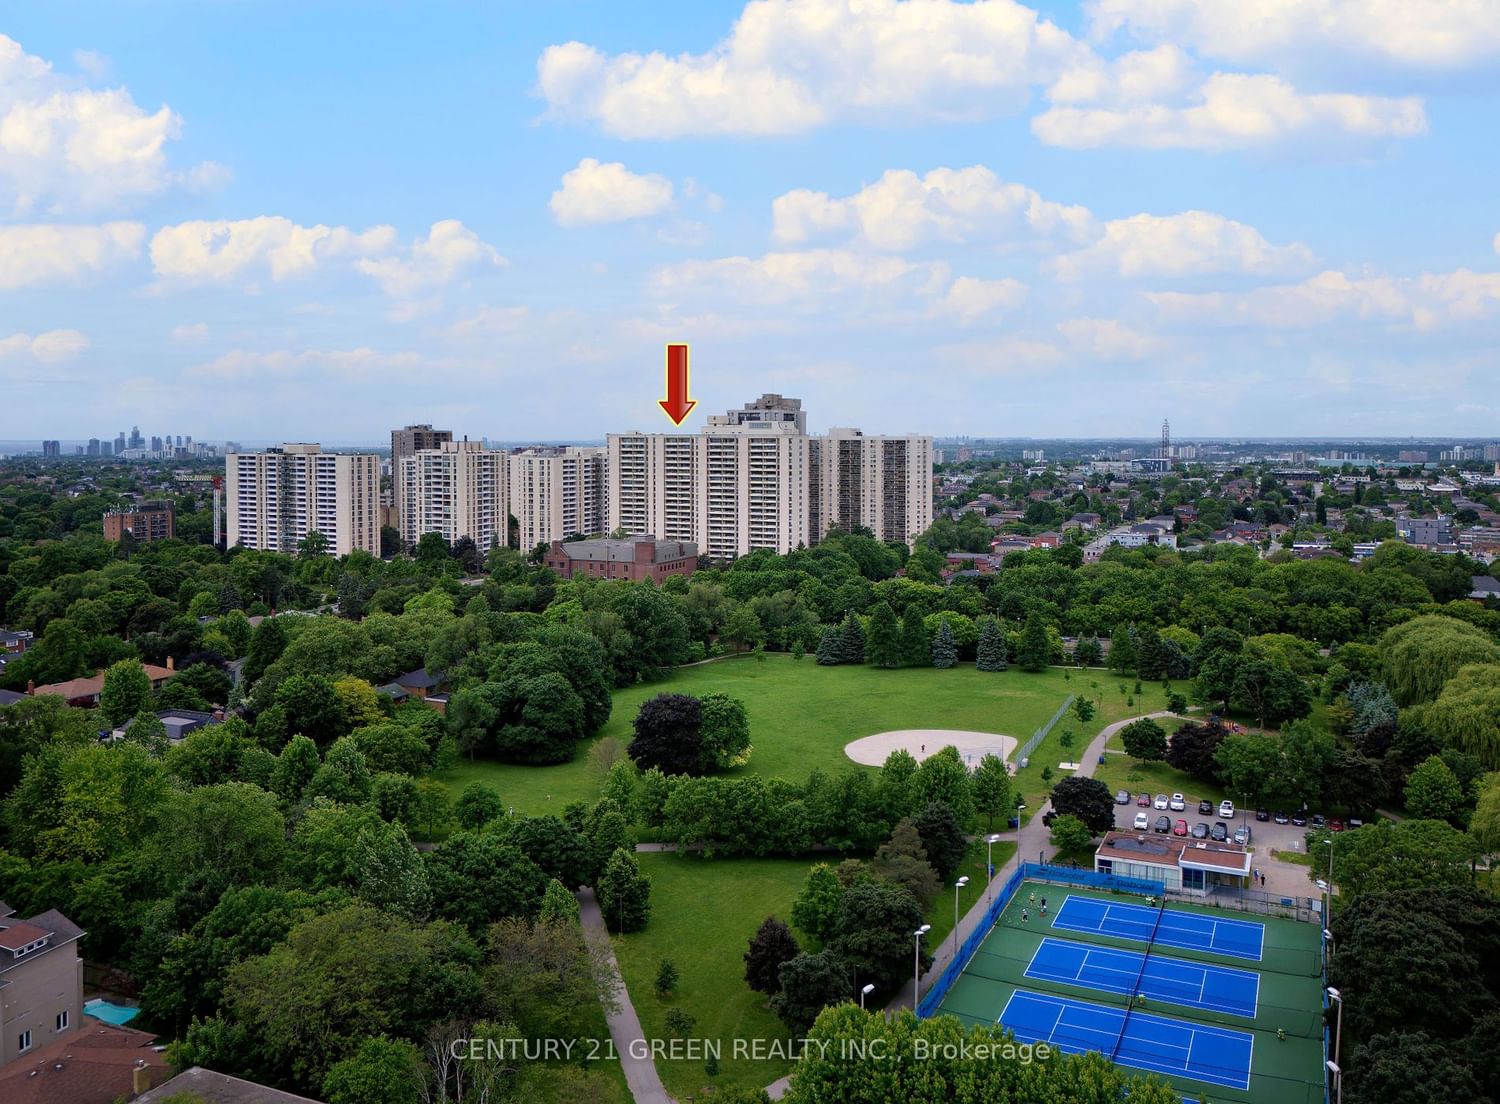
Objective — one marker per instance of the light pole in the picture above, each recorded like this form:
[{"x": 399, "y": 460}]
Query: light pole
[
  {"x": 1328, "y": 937},
  {"x": 989, "y": 866},
  {"x": 1338, "y": 1027},
  {"x": 1328, "y": 893},
  {"x": 916, "y": 964},
  {"x": 863, "y": 993},
  {"x": 1338, "y": 1082},
  {"x": 958, "y": 885}
]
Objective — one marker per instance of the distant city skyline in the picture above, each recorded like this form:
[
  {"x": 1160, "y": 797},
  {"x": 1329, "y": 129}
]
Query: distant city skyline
[{"x": 1054, "y": 218}]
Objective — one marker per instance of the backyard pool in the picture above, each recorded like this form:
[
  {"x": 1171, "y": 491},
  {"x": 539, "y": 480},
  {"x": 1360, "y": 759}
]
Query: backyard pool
[{"x": 110, "y": 1012}]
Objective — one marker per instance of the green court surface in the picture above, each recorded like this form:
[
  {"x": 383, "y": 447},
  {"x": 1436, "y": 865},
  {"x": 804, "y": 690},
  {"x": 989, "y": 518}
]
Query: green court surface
[{"x": 1083, "y": 963}]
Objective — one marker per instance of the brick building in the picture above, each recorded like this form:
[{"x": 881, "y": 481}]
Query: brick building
[
  {"x": 635, "y": 558},
  {"x": 150, "y": 521}
]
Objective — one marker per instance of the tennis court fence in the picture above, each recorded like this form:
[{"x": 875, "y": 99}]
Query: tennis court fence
[{"x": 1025, "y": 750}]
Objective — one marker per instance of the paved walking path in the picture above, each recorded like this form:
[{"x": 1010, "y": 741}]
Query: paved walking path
[{"x": 624, "y": 1025}]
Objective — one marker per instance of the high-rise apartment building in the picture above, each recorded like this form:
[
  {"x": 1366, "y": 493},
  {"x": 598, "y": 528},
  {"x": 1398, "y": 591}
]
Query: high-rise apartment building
[
  {"x": 405, "y": 442},
  {"x": 556, "y": 493},
  {"x": 51, "y": 449},
  {"x": 273, "y": 499},
  {"x": 753, "y": 478},
  {"x": 457, "y": 489}
]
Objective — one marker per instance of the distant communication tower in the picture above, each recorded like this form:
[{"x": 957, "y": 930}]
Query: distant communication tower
[{"x": 1166, "y": 439}]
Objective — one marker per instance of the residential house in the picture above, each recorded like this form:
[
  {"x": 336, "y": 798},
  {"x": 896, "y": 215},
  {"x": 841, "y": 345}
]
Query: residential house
[
  {"x": 94, "y": 1063},
  {"x": 199, "y": 1084},
  {"x": 84, "y": 692},
  {"x": 1486, "y": 588},
  {"x": 41, "y": 981}
]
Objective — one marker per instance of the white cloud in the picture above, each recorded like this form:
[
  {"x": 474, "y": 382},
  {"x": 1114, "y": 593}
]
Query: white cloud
[
  {"x": 1424, "y": 302},
  {"x": 806, "y": 277},
  {"x": 1496, "y": 243},
  {"x": 489, "y": 321},
  {"x": 1192, "y": 243},
  {"x": 1406, "y": 34},
  {"x": 971, "y": 299},
  {"x": 449, "y": 251},
  {"x": 595, "y": 192},
  {"x": 903, "y": 211},
  {"x": 50, "y": 347},
  {"x": 1238, "y": 111},
  {"x": 193, "y": 331},
  {"x": 787, "y": 67},
  {"x": 49, "y": 253},
  {"x": 347, "y": 365},
  {"x": 1142, "y": 76},
  {"x": 64, "y": 147},
  {"x": 222, "y": 250},
  {"x": 1107, "y": 339}
]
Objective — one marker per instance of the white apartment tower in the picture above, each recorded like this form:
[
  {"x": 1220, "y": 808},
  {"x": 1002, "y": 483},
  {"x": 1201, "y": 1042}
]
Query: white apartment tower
[
  {"x": 556, "y": 493},
  {"x": 457, "y": 489},
  {"x": 274, "y": 498},
  {"x": 753, "y": 478}
]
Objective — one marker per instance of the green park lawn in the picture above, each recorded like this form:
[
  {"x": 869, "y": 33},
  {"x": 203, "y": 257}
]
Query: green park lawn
[
  {"x": 802, "y": 715},
  {"x": 940, "y": 915},
  {"x": 703, "y": 913}
]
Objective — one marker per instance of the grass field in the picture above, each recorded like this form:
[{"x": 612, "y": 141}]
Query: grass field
[
  {"x": 703, "y": 913},
  {"x": 940, "y": 915},
  {"x": 802, "y": 715},
  {"x": 1288, "y": 998}
]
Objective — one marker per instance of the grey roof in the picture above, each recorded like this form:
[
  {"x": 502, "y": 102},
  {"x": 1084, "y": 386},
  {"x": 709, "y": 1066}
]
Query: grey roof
[
  {"x": 219, "y": 1088},
  {"x": 10, "y": 697},
  {"x": 417, "y": 680},
  {"x": 1485, "y": 586},
  {"x": 58, "y": 924},
  {"x": 623, "y": 551}
]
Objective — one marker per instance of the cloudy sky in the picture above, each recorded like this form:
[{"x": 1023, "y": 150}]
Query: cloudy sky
[{"x": 316, "y": 221}]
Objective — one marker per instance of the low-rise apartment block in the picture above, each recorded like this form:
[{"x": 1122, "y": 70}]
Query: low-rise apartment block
[
  {"x": 634, "y": 558},
  {"x": 150, "y": 521}
]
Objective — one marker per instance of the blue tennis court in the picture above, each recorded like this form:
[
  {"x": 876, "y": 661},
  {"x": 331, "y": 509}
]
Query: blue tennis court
[
  {"x": 1171, "y": 980},
  {"x": 1187, "y": 930},
  {"x": 1217, "y": 1055}
]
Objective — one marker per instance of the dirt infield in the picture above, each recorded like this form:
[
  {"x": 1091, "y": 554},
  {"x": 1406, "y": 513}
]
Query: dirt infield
[{"x": 922, "y": 742}]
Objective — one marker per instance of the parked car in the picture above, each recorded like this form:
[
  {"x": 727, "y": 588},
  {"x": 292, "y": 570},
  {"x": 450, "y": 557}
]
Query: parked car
[
  {"x": 1200, "y": 830},
  {"x": 1122, "y": 798},
  {"x": 1144, "y": 801},
  {"x": 1161, "y": 801},
  {"x": 1163, "y": 824},
  {"x": 1142, "y": 822},
  {"x": 1219, "y": 832},
  {"x": 1178, "y": 803},
  {"x": 1205, "y": 807},
  {"x": 1180, "y": 828},
  {"x": 1226, "y": 809},
  {"x": 1335, "y": 825},
  {"x": 1300, "y": 819},
  {"x": 1280, "y": 818},
  {"x": 1318, "y": 821},
  {"x": 1355, "y": 822},
  {"x": 1242, "y": 835},
  {"x": 1262, "y": 814}
]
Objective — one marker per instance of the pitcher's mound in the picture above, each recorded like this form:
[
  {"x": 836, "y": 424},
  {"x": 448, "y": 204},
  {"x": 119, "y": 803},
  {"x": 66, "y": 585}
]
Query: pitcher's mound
[{"x": 922, "y": 742}]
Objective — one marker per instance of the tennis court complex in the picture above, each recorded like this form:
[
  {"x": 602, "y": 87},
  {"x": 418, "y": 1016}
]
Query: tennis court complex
[{"x": 1224, "y": 1006}]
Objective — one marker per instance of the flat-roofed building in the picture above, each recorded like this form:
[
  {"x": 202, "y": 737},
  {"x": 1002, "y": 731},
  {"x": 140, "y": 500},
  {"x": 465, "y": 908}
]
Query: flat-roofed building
[
  {"x": 405, "y": 442},
  {"x": 1179, "y": 862},
  {"x": 556, "y": 493},
  {"x": 880, "y": 483},
  {"x": 150, "y": 521},
  {"x": 455, "y": 490},
  {"x": 274, "y": 499},
  {"x": 633, "y": 558}
]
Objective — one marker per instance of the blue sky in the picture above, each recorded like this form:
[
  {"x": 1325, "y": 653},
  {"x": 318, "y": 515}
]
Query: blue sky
[{"x": 315, "y": 221}]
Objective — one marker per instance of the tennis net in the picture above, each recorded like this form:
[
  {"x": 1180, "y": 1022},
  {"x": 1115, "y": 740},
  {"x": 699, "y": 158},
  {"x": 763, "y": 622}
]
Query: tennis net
[{"x": 1135, "y": 990}]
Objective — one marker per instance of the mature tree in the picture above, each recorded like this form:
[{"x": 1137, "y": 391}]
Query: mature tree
[
  {"x": 1215, "y": 663},
  {"x": 1269, "y": 690},
  {"x": 1122, "y": 653},
  {"x": 829, "y": 648},
  {"x": 1249, "y": 764},
  {"x": 816, "y": 909},
  {"x": 1193, "y": 748},
  {"x": 808, "y": 983},
  {"x": 1433, "y": 792},
  {"x": 312, "y": 707},
  {"x": 1466, "y": 713},
  {"x": 392, "y": 747},
  {"x": 993, "y": 795},
  {"x": 624, "y": 893},
  {"x": 382, "y": 1071},
  {"x": 1484, "y": 824},
  {"x": 852, "y": 640},
  {"x": 942, "y": 838},
  {"x": 724, "y": 733},
  {"x": 231, "y": 830},
  {"x": 990, "y": 652},
  {"x": 771, "y": 946},
  {"x": 873, "y": 933},
  {"x": 295, "y": 767},
  {"x": 1422, "y": 654},
  {"x": 478, "y": 805},
  {"x": 916, "y": 647},
  {"x": 344, "y": 777},
  {"x": 1088, "y": 799},
  {"x": 943, "y": 777},
  {"x": 267, "y": 643},
  {"x": 1144, "y": 739},
  {"x": 1414, "y": 854},
  {"x": 1088, "y": 652},
  {"x": 902, "y": 860},
  {"x": 545, "y": 977},
  {"x": 209, "y": 754},
  {"x": 1069, "y": 834},
  {"x": 944, "y": 653},
  {"x": 668, "y": 734},
  {"x": 883, "y": 643},
  {"x": 1034, "y": 651},
  {"x": 127, "y": 691},
  {"x": 558, "y": 848},
  {"x": 478, "y": 877},
  {"x": 1409, "y": 1067},
  {"x": 558, "y": 905}
]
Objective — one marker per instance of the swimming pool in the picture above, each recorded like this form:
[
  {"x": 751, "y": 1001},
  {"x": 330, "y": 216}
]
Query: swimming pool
[{"x": 110, "y": 1012}]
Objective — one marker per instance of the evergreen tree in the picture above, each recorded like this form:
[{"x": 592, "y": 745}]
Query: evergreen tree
[
  {"x": 1150, "y": 655},
  {"x": 852, "y": 640},
  {"x": 916, "y": 648},
  {"x": 1122, "y": 656},
  {"x": 770, "y": 946},
  {"x": 944, "y": 654},
  {"x": 883, "y": 646},
  {"x": 830, "y": 648},
  {"x": 991, "y": 649},
  {"x": 624, "y": 893},
  {"x": 1034, "y": 650}
]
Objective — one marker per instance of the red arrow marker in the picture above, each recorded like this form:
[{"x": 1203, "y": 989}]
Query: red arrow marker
[{"x": 677, "y": 404}]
